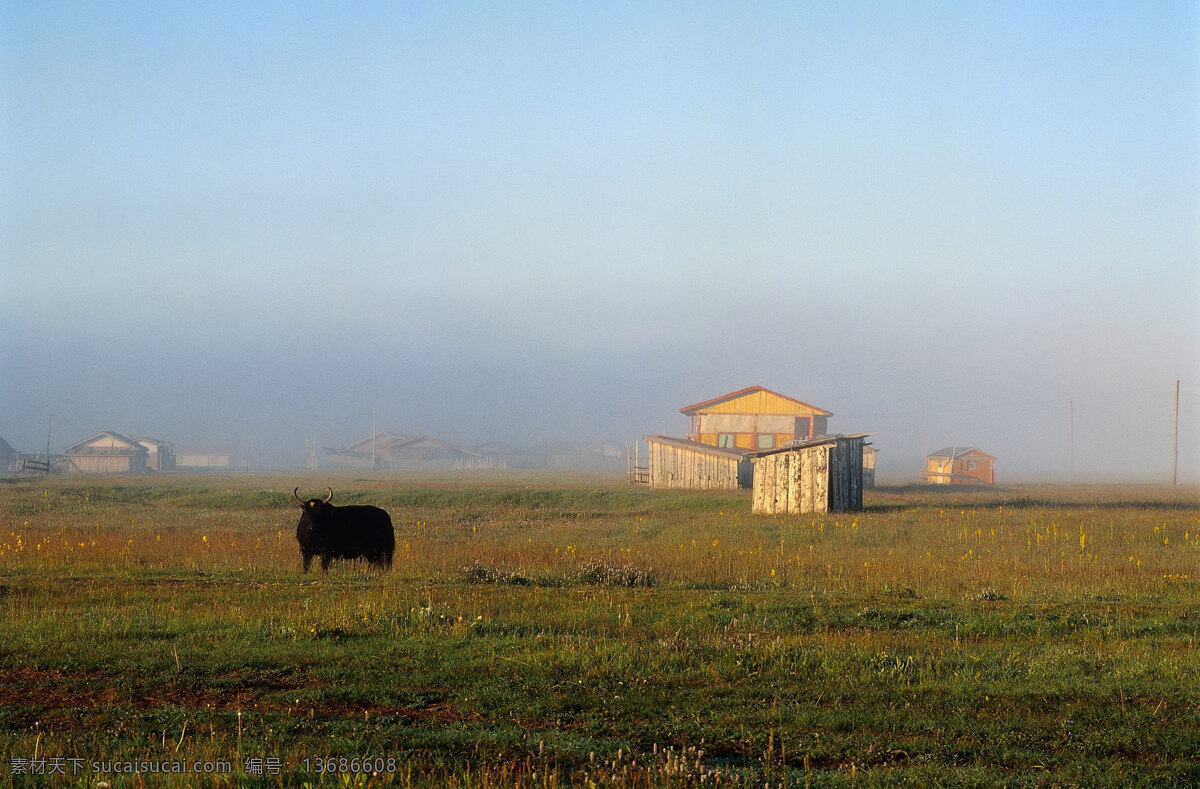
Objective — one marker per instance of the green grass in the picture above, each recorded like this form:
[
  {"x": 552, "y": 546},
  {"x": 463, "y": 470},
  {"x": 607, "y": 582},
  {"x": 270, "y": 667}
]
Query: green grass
[{"x": 542, "y": 632}]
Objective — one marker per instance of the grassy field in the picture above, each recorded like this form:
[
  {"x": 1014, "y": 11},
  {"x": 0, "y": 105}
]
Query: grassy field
[{"x": 549, "y": 632}]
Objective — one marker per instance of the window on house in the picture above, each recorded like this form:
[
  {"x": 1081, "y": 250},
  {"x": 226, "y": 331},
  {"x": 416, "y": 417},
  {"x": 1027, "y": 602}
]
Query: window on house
[
  {"x": 972, "y": 465},
  {"x": 802, "y": 427},
  {"x": 766, "y": 441},
  {"x": 725, "y": 440}
]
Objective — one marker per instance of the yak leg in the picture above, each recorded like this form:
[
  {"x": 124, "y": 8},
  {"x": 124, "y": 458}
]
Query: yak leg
[
  {"x": 325, "y": 559},
  {"x": 307, "y": 560}
]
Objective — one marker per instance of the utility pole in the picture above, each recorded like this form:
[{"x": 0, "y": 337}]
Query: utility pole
[
  {"x": 1175, "y": 441},
  {"x": 1072, "y": 404}
]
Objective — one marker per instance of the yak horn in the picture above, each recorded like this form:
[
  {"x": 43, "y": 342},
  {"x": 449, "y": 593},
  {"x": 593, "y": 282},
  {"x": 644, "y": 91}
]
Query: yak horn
[
  {"x": 296, "y": 497},
  {"x": 330, "y": 496}
]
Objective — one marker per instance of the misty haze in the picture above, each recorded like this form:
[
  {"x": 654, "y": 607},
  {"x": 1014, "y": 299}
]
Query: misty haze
[{"x": 538, "y": 227}]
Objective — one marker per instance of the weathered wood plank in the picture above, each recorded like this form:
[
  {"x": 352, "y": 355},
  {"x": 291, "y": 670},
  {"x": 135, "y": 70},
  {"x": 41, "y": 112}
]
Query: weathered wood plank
[{"x": 825, "y": 477}]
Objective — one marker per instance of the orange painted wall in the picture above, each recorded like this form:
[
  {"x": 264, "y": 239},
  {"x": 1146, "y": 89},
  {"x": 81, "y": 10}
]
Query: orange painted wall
[
  {"x": 749, "y": 440},
  {"x": 981, "y": 472},
  {"x": 939, "y": 472},
  {"x": 755, "y": 414}
]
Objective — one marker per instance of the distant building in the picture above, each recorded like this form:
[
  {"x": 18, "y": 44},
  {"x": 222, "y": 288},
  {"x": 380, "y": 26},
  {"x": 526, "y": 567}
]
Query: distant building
[
  {"x": 105, "y": 453},
  {"x": 585, "y": 456},
  {"x": 10, "y": 459},
  {"x": 555, "y": 456},
  {"x": 868, "y": 464},
  {"x": 199, "y": 458},
  {"x": 362, "y": 455},
  {"x": 422, "y": 453},
  {"x": 822, "y": 475},
  {"x": 507, "y": 456},
  {"x": 959, "y": 466},
  {"x": 160, "y": 455},
  {"x": 394, "y": 452}
]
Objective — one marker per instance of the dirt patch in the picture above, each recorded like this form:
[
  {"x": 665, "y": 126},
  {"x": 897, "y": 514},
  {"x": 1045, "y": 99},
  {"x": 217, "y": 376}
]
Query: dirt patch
[{"x": 51, "y": 698}]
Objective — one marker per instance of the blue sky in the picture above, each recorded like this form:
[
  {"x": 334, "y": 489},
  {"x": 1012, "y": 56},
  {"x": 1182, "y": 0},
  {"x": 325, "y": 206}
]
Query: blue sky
[{"x": 527, "y": 221}]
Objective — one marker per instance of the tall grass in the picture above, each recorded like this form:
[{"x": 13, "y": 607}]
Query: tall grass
[
  {"x": 536, "y": 632},
  {"x": 1025, "y": 542}
]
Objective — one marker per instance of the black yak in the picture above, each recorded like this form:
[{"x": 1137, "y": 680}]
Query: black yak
[{"x": 354, "y": 532}]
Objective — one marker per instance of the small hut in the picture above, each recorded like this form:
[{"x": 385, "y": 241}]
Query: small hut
[
  {"x": 959, "y": 466},
  {"x": 822, "y": 475}
]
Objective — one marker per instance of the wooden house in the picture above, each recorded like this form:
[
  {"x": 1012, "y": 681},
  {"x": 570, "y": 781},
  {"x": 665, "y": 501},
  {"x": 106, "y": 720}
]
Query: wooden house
[
  {"x": 822, "y": 475},
  {"x": 684, "y": 463},
  {"x": 754, "y": 419},
  {"x": 725, "y": 431},
  {"x": 362, "y": 455},
  {"x": 422, "y": 453},
  {"x": 959, "y": 466},
  {"x": 160, "y": 455},
  {"x": 105, "y": 453}
]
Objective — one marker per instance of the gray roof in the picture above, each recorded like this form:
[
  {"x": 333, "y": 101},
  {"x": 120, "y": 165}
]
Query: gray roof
[
  {"x": 117, "y": 445},
  {"x": 956, "y": 452},
  {"x": 708, "y": 449}
]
